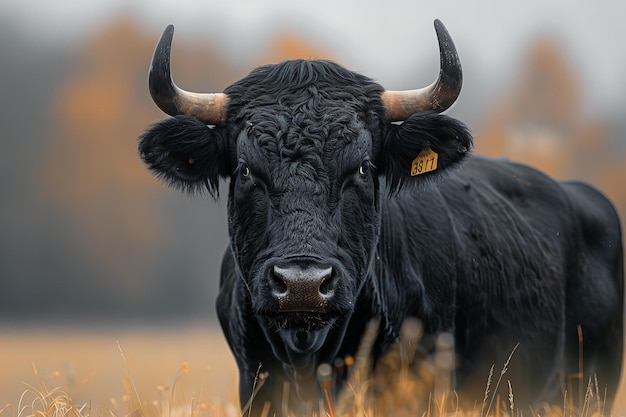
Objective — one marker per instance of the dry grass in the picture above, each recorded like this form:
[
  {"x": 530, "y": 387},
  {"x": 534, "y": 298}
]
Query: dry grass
[
  {"x": 111, "y": 368},
  {"x": 188, "y": 372}
]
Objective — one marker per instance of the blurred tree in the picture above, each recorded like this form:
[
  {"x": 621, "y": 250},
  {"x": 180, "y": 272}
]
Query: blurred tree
[
  {"x": 291, "y": 46},
  {"x": 540, "y": 122}
]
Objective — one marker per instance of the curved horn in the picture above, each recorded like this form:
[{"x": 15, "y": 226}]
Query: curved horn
[
  {"x": 438, "y": 96},
  {"x": 210, "y": 108}
]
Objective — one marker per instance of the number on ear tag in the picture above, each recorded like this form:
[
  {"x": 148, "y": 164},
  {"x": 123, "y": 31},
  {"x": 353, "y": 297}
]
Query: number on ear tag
[{"x": 425, "y": 162}]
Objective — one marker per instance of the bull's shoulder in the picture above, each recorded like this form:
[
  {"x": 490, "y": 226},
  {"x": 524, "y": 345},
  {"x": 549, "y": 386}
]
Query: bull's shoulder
[{"x": 485, "y": 196}]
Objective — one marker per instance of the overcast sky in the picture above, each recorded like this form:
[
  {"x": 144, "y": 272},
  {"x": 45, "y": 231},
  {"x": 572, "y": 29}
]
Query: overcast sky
[{"x": 373, "y": 37}]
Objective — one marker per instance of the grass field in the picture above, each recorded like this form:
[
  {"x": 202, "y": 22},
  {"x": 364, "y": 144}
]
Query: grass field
[
  {"x": 95, "y": 365},
  {"x": 173, "y": 371}
]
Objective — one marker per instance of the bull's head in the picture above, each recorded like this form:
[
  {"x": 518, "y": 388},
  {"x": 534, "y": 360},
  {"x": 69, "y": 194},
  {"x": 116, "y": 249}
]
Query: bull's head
[{"x": 305, "y": 145}]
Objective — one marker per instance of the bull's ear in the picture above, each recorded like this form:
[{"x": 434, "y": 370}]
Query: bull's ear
[
  {"x": 422, "y": 147},
  {"x": 186, "y": 154}
]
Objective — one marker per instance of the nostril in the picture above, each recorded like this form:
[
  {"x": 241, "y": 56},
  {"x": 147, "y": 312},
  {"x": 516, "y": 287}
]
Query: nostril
[
  {"x": 327, "y": 286},
  {"x": 278, "y": 282}
]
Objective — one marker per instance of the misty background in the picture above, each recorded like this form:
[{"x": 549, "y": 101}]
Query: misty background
[{"x": 86, "y": 233}]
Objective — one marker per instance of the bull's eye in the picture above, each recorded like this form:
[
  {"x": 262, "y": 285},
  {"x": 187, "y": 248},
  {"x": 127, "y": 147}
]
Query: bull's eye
[
  {"x": 244, "y": 170},
  {"x": 364, "y": 168}
]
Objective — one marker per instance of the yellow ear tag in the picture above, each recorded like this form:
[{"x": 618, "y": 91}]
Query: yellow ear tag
[{"x": 425, "y": 162}]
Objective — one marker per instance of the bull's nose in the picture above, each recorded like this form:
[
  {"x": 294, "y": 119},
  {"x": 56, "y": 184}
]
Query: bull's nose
[{"x": 302, "y": 289}]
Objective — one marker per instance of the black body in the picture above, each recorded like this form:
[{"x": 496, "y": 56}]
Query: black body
[{"x": 328, "y": 229}]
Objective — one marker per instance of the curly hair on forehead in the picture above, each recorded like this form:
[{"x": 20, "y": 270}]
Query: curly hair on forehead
[
  {"x": 298, "y": 110},
  {"x": 306, "y": 131}
]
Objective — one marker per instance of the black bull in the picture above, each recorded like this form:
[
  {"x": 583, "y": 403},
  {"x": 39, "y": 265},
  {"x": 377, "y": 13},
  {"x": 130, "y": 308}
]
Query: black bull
[{"x": 336, "y": 216}]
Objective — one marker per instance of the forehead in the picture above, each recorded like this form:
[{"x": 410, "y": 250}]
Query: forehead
[
  {"x": 301, "y": 105},
  {"x": 296, "y": 133}
]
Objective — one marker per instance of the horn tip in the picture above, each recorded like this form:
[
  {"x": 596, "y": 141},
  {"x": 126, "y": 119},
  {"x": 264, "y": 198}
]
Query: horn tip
[
  {"x": 166, "y": 38},
  {"x": 163, "y": 46},
  {"x": 441, "y": 30},
  {"x": 168, "y": 34}
]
